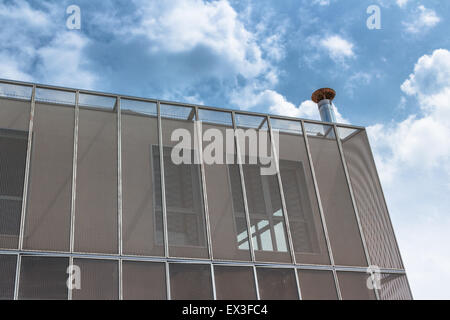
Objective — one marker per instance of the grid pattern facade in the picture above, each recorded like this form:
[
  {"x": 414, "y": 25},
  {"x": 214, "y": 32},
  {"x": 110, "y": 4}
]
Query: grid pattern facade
[{"x": 87, "y": 179}]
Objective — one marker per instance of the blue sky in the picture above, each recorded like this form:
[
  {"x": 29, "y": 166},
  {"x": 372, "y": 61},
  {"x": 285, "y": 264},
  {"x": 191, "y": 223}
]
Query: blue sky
[{"x": 269, "y": 56}]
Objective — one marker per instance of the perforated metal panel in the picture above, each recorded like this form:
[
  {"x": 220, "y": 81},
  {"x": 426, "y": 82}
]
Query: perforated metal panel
[
  {"x": 394, "y": 287},
  {"x": 43, "y": 278},
  {"x": 234, "y": 283},
  {"x": 7, "y": 276},
  {"x": 317, "y": 285},
  {"x": 99, "y": 280},
  {"x": 277, "y": 284},
  {"x": 143, "y": 280},
  {"x": 190, "y": 281},
  {"x": 47, "y": 223},
  {"x": 372, "y": 209},
  {"x": 13, "y": 147},
  {"x": 96, "y": 216}
]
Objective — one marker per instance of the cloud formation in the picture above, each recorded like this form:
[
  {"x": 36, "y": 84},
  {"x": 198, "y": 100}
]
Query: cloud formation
[
  {"x": 413, "y": 160},
  {"x": 422, "y": 19}
]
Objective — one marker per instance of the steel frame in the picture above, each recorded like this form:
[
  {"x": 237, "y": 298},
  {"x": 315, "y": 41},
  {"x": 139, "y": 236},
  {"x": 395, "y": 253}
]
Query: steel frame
[{"x": 167, "y": 259}]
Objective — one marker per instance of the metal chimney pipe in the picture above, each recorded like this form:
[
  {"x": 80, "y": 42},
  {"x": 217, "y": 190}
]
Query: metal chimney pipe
[{"x": 324, "y": 97}]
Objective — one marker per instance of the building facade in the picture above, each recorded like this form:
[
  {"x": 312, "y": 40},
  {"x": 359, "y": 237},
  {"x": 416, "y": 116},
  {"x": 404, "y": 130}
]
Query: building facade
[{"x": 93, "y": 206}]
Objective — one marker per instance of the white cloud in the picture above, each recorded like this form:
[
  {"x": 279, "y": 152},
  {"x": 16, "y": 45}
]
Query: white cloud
[
  {"x": 357, "y": 80},
  {"x": 337, "y": 47},
  {"x": 422, "y": 20},
  {"x": 322, "y": 2},
  {"x": 413, "y": 159},
  {"x": 184, "y": 25},
  {"x": 37, "y": 47},
  {"x": 62, "y": 62},
  {"x": 402, "y": 3}
]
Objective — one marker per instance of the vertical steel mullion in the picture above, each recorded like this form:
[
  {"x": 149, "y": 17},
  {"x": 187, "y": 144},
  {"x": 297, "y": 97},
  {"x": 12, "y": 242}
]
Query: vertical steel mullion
[
  {"x": 74, "y": 172},
  {"x": 74, "y": 183},
  {"x": 355, "y": 208},
  {"x": 119, "y": 192},
  {"x": 17, "y": 278},
  {"x": 213, "y": 281},
  {"x": 168, "y": 292},
  {"x": 299, "y": 291},
  {"x": 280, "y": 184},
  {"x": 163, "y": 184},
  {"x": 27, "y": 169},
  {"x": 244, "y": 192},
  {"x": 120, "y": 279},
  {"x": 25, "y": 191},
  {"x": 163, "y": 199},
  {"x": 255, "y": 276},
  {"x": 197, "y": 127},
  {"x": 319, "y": 202},
  {"x": 69, "y": 290}
]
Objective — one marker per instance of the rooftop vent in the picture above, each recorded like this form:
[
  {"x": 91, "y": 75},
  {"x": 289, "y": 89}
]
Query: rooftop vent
[{"x": 324, "y": 97}]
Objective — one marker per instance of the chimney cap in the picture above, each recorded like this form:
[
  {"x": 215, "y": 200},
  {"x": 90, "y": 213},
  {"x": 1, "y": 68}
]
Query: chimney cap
[{"x": 323, "y": 93}]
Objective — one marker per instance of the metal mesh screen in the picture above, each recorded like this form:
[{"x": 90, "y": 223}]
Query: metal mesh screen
[
  {"x": 226, "y": 213},
  {"x": 372, "y": 209},
  {"x": 394, "y": 287},
  {"x": 7, "y": 276},
  {"x": 301, "y": 200},
  {"x": 337, "y": 205},
  {"x": 353, "y": 286},
  {"x": 99, "y": 280},
  {"x": 277, "y": 284},
  {"x": 184, "y": 195},
  {"x": 13, "y": 146},
  {"x": 234, "y": 283},
  {"x": 143, "y": 280},
  {"x": 141, "y": 195},
  {"x": 43, "y": 278},
  {"x": 317, "y": 285},
  {"x": 96, "y": 220},
  {"x": 47, "y": 223},
  {"x": 190, "y": 281}
]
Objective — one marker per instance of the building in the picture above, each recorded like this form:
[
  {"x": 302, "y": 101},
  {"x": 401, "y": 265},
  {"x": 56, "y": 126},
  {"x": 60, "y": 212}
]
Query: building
[{"x": 88, "y": 181}]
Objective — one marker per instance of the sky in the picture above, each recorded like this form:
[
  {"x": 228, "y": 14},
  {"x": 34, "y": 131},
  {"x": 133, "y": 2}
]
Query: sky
[{"x": 269, "y": 56}]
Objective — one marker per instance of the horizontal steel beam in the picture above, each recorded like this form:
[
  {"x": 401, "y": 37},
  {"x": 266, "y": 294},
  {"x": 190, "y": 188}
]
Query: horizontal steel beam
[{"x": 113, "y": 95}]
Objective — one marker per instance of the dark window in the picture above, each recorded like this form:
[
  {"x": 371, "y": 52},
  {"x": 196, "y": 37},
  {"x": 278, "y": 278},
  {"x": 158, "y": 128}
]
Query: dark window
[{"x": 43, "y": 278}]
